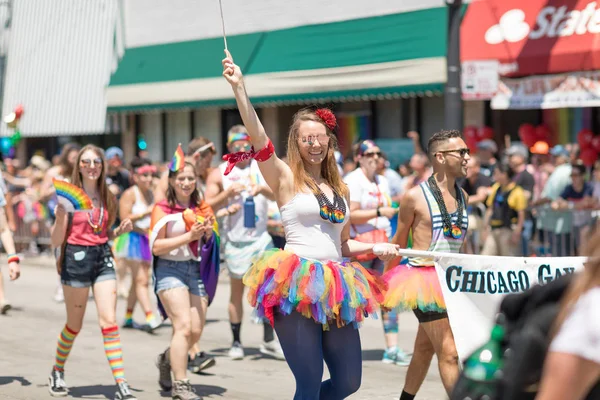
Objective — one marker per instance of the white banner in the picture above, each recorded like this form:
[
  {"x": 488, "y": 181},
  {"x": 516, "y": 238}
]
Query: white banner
[
  {"x": 473, "y": 287},
  {"x": 577, "y": 89}
]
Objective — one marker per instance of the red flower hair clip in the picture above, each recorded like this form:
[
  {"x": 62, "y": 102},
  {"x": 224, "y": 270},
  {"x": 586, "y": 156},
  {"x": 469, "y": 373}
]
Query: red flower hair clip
[{"x": 327, "y": 117}]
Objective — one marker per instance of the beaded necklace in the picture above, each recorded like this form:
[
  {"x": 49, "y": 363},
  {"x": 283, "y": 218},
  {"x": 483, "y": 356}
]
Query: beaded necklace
[
  {"x": 450, "y": 229},
  {"x": 96, "y": 227},
  {"x": 336, "y": 212}
]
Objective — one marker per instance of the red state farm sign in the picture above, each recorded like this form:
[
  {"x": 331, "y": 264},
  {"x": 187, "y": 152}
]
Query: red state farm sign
[{"x": 533, "y": 36}]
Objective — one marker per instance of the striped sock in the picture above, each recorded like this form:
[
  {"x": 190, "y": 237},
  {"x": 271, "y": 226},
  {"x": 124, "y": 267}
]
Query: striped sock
[
  {"x": 149, "y": 317},
  {"x": 129, "y": 315},
  {"x": 63, "y": 348},
  {"x": 114, "y": 353}
]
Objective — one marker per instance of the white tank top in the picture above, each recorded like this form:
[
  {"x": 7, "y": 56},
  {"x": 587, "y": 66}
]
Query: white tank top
[
  {"x": 307, "y": 234},
  {"x": 233, "y": 225},
  {"x": 174, "y": 229},
  {"x": 140, "y": 207}
]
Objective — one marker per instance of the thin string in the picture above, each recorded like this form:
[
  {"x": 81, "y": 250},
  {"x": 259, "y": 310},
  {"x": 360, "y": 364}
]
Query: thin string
[
  {"x": 449, "y": 228},
  {"x": 223, "y": 24}
]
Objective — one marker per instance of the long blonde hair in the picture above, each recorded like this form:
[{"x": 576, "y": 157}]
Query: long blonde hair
[
  {"x": 584, "y": 281},
  {"x": 107, "y": 198},
  {"x": 329, "y": 170}
]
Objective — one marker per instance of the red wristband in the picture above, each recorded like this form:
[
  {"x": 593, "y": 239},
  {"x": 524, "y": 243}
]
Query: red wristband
[{"x": 13, "y": 258}]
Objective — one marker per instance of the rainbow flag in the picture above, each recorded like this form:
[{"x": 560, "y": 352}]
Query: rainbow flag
[
  {"x": 178, "y": 160},
  {"x": 565, "y": 123},
  {"x": 352, "y": 128}
]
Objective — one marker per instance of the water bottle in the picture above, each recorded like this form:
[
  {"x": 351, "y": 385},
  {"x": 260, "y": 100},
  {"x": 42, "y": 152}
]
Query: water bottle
[
  {"x": 249, "y": 213},
  {"x": 483, "y": 369},
  {"x": 394, "y": 220}
]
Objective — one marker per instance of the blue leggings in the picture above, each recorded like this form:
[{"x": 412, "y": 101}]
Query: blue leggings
[{"x": 306, "y": 345}]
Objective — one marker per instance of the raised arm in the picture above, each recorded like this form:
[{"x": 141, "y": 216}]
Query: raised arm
[{"x": 276, "y": 173}]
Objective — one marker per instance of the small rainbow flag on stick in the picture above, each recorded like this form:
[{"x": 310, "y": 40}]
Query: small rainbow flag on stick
[
  {"x": 178, "y": 160},
  {"x": 72, "y": 197}
]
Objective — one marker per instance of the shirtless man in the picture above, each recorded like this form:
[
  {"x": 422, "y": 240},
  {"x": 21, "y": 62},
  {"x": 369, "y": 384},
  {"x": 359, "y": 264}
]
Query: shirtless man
[{"x": 436, "y": 212}]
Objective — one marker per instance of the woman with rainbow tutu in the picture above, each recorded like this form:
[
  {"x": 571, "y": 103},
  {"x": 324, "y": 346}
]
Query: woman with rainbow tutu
[
  {"x": 311, "y": 293},
  {"x": 132, "y": 249}
]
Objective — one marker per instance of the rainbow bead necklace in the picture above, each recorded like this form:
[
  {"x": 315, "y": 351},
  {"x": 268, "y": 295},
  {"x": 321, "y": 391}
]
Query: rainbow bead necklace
[
  {"x": 450, "y": 229},
  {"x": 336, "y": 212}
]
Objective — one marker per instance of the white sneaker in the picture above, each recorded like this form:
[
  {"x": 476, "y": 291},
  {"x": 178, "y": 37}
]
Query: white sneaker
[
  {"x": 236, "y": 352},
  {"x": 273, "y": 349},
  {"x": 59, "y": 296}
]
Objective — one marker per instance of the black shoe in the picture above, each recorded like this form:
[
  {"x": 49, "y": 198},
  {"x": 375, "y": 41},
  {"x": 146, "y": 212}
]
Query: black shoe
[
  {"x": 123, "y": 392},
  {"x": 56, "y": 384},
  {"x": 164, "y": 371},
  {"x": 201, "y": 362}
]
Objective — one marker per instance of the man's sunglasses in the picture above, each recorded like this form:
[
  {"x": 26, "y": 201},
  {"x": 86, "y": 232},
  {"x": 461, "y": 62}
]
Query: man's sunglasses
[
  {"x": 461, "y": 152},
  {"x": 372, "y": 154}
]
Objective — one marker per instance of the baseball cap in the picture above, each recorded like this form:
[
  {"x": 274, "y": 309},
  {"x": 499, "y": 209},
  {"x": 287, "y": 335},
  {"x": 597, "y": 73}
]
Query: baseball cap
[
  {"x": 540, "y": 147},
  {"x": 113, "y": 152},
  {"x": 517, "y": 150},
  {"x": 487, "y": 144},
  {"x": 559, "y": 150}
]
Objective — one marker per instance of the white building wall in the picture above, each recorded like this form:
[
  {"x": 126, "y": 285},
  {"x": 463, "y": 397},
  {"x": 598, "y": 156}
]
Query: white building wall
[
  {"x": 178, "y": 131},
  {"x": 207, "y": 123},
  {"x": 151, "y": 129}
]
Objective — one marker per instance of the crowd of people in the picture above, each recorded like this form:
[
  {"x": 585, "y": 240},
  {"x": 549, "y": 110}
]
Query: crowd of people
[{"x": 312, "y": 238}]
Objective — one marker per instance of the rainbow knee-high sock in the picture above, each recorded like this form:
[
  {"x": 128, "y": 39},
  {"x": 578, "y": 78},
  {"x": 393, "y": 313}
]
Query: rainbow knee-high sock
[
  {"x": 63, "y": 348},
  {"x": 114, "y": 352}
]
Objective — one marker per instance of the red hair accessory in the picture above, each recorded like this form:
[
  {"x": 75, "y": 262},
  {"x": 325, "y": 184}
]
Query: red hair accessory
[
  {"x": 261, "y": 156},
  {"x": 327, "y": 117},
  {"x": 146, "y": 169}
]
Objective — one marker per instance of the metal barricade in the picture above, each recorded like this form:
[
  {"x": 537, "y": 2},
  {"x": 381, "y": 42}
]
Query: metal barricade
[
  {"x": 560, "y": 233},
  {"x": 32, "y": 232}
]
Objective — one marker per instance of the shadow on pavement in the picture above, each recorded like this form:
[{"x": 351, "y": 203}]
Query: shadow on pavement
[
  {"x": 372, "y": 355},
  {"x": 202, "y": 390},
  {"x": 7, "y": 380},
  {"x": 107, "y": 391}
]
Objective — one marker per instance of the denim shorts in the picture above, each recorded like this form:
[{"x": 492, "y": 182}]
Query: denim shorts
[
  {"x": 176, "y": 274},
  {"x": 84, "y": 266}
]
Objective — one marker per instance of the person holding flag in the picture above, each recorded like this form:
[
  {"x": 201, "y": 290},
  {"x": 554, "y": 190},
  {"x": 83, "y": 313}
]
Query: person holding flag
[
  {"x": 185, "y": 246},
  {"x": 312, "y": 294}
]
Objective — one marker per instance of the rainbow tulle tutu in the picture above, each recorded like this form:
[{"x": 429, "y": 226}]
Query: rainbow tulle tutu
[
  {"x": 410, "y": 288},
  {"x": 132, "y": 246},
  {"x": 324, "y": 291}
]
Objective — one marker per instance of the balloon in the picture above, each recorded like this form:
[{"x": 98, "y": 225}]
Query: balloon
[
  {"x": 11, "y": 120},
  {"x": 595, "y": 144},
  {"x": 527, "y": 134},
  {"x": 542, "y": 133},
  {"x": 588, "y": 156},
  {"x": 471, "y": 143},
  {"x": 584, "y": 138},
  {"x": 15, "y": 138},
  {"x": 19, "y": 111},
  {"x": 470, "y": 132},
  {"x": 5, "y": 144},
  {"x": 485, "y": 132}
]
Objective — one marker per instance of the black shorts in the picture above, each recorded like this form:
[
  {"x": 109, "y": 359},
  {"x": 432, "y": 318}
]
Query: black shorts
[
  {"x": 84, "y": 266},
  {"x": 429, "y": 316}
]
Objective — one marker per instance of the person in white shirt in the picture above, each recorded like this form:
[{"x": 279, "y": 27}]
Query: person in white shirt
[
  {"x": 224, "y": 188},
  {"x": 572, "y": 366},
  {"x": 371, "y": 211}
]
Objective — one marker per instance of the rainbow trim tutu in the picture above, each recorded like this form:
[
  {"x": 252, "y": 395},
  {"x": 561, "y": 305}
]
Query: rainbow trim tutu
[
  {"x": 412, "y": 288},
  {"x": 132, "y": 246},
  {"x": 324, "y": 291}
]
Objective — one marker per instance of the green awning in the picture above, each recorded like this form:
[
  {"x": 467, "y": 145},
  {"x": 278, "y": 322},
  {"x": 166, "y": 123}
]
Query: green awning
[{"x": 379, "y": 57}]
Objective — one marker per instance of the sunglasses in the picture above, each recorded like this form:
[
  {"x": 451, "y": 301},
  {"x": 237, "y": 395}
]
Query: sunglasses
[
  {"x": 372, "y": 154},
  {"x": 461, "y": 152},
  {"x": 88, "y": 162},
  {"x": 242, "y": 147},
  {"x": 322, "y": 138}
]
